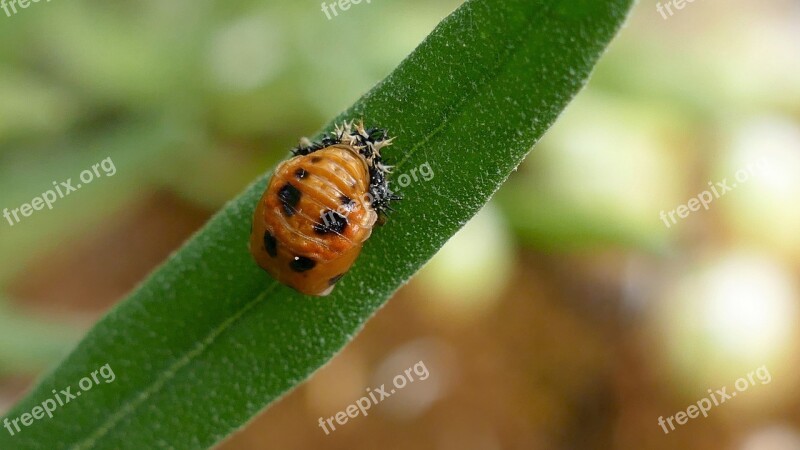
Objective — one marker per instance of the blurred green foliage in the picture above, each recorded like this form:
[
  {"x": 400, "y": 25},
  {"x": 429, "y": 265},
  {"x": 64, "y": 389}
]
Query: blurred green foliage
[
  {"x": 197, "y": 97},
  {"x": 208, "y": 333},
  {"x": 28, "y": 344}
]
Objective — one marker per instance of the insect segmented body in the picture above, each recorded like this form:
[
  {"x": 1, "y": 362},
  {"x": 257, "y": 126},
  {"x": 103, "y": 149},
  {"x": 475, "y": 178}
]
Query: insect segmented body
[{"x": 320, "y": 207}]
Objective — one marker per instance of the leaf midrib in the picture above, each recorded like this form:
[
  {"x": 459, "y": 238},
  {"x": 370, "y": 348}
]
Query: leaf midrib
[
  {"x": 170, "y": 372},
  {"x": 455, "y": 109}
]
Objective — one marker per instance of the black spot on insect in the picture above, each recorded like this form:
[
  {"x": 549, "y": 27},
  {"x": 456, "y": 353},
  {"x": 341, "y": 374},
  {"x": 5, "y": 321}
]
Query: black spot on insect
[
  {"x": 289, "y": 197},
  {"x": 347, "y": 202},
  {"x": 300, "y": 173},
  {"x": 331, "y": 222},
  {"x": 302, "y": 264},
  {"x": 378, "y": 184},
  {"x": 270, "y": 244},
  {"x": 335, "y": 279}
]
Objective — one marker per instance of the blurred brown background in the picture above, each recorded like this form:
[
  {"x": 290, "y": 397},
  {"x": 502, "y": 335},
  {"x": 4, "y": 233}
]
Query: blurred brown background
[{"x": 578, "y": 321}]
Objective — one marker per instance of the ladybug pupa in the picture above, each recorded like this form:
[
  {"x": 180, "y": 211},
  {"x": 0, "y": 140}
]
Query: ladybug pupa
[{"x": 320, "y": 206}]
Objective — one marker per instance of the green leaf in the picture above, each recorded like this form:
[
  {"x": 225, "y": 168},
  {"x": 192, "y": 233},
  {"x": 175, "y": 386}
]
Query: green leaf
[{"x": 209, "y": 340}]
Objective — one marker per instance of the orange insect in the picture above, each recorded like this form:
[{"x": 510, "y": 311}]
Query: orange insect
[{"x": 320, "y": 207}]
